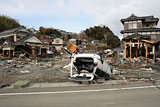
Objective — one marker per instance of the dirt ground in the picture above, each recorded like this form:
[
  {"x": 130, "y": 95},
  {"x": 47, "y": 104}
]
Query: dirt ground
[{"x": 36, "y": 71}]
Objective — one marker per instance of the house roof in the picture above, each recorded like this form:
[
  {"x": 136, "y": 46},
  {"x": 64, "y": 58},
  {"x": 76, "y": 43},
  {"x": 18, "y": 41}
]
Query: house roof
[
  {"x": 19, "y": 29},
  {"x": 7, "y": 41},
  {"x": 143, "y": 18},
  {"x": 29, "y": 39},
  {"x": 46, "y": 41},
  {"x": 140, "y": 30},
  {"x": 136, "y": 36}
]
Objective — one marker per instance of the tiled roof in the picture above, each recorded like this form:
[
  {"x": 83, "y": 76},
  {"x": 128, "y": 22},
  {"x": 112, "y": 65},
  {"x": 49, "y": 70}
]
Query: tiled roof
[
  {"x": 21, "y": 41},
  {"x": 9, "y": 40},
  {"x": 11, "y": 31},
  {"x": 143, "y": 18},
  {"x": 137, "y": 36},
  {"x": 46, "y": 41}
]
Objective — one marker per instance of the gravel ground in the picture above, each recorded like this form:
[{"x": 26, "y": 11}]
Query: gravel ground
[
  {"x": 34, "y": 71},
  {"x": 50, "y": 70}
]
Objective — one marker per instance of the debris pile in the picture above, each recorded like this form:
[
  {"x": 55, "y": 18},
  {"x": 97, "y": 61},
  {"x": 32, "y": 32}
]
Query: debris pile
[{"x": 136, "y": 69}]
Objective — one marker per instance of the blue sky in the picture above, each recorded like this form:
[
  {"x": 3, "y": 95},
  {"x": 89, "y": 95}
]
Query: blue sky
[{"x": 77, "y": 15}]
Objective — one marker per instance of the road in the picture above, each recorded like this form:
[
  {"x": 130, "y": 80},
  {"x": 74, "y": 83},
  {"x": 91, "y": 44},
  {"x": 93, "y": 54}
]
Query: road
[{"x": 145, "y": 95}]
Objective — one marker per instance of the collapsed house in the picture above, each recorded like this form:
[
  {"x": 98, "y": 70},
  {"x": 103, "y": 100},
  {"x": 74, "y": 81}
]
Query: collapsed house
[
  {"x": 141, "y": 37},
  {"x": 19, "y": 41},
  {"x": 31, "y": 46}
]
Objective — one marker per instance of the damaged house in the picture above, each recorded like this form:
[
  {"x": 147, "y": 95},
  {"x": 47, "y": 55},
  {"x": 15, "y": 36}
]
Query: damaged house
[
  {"x": 58, "y": 43},
  {"x": 141, "y": 37},
  {"x": 51, "y": 49},
  {"x": 31, "y": 46},
  {"x": 17, "y": 41}
]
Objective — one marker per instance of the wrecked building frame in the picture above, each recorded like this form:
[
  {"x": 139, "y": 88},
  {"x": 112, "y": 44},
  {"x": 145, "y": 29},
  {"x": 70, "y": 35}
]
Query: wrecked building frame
[{"x": 140, "y": 45}]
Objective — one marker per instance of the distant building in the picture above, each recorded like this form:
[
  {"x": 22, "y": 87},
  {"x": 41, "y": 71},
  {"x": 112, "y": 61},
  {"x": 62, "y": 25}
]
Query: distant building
[
  {"x": 77, "y": 41},
  {"x": 33, "y": 30},
  {"x": 73, "y": 41},
  {"x": 95, "y": 41},
  {"x": 58, "y": 43},
  {"x": 84, "y": 41},
  {"x": 46, "y": 41}
]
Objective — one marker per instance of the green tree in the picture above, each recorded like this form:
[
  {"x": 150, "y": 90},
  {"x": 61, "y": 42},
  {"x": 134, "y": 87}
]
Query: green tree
[
  {"x": 7, "y": 23},
  {"x": 49, "y": 31},
  {"x": 103, "y": 34}
]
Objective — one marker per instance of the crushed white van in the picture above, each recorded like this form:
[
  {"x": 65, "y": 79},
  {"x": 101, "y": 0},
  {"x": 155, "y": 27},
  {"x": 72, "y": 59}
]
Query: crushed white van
[{"x": 89, "y": 67}]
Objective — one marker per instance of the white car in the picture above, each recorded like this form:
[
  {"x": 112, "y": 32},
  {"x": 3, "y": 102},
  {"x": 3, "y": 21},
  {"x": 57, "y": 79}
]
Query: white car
[{"x": 89, "y": 67}]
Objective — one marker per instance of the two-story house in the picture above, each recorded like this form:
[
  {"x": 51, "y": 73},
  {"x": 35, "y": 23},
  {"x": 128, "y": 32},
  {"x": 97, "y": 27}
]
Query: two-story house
[
  {"x": 140, "y": 36},
  {"x": 58, "y": 43}
]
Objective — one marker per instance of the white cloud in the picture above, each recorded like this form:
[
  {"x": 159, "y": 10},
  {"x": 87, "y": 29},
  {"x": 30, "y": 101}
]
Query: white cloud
[{"x": 96, "y": 12}]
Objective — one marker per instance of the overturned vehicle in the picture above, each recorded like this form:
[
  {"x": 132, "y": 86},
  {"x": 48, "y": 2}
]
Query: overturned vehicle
[{"x": 89, "y": 67}]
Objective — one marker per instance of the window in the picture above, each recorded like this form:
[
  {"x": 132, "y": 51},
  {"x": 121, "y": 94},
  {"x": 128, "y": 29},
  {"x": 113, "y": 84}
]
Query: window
[
  {"x": 129, "y": 33},
  {"x": 57, "y": 41},
  {"x": 143, "y": 33},
  {"x": 125, "y": 34},
  {"x": 153, "y": 37},
  {"x": 153, "y": 32},
  {"x": 148, "y": 32},
  {"x": 126, "y": 22},
  {"x": 147, "y": 25},
  {"x": 132, "y": 26}
]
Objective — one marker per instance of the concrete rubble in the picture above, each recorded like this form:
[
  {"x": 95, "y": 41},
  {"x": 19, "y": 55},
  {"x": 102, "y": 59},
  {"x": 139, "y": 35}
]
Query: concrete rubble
[
  {"x": 136, "y": 69},
  {"x": 36, "y": 71}
]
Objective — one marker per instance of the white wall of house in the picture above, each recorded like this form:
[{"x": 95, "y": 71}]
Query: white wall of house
[{"x": 57, "y": 41}]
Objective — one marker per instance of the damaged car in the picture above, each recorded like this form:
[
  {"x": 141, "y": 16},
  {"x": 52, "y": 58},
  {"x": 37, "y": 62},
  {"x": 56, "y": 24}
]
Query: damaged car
[{"x": 89, "y": 67}]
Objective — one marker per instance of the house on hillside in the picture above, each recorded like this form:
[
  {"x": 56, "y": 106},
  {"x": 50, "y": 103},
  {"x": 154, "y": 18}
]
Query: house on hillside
[
  {"x": 141, "y": 36},
  {"x": 84, "y": 41},
  {"x": 95, "y": 41},
  {"x": 34, "y": 31}
]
